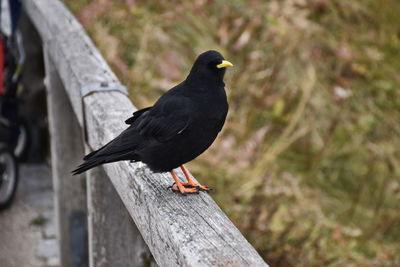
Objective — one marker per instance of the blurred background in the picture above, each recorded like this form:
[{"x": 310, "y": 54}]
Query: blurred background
[{"x": 307, "y": 165}]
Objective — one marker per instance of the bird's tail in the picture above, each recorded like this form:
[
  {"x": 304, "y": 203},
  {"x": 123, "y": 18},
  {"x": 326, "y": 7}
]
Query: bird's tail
[
  {"x": 113, "y": 151},
  {"x": 91, "y": 160},
  {"x": 100, "y": 156},
  {"x": 88, "y": 164}
]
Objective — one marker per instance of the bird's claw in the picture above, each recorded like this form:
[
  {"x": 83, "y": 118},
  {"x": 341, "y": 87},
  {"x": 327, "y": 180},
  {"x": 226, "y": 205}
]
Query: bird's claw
[
  {"x": 184, "y": 190},
  {"x": 170, "y": 187},
  {"x": 198, "y": 186},
  {"x": 188, "y": 186},
  {"x": 204, "y": 188}
]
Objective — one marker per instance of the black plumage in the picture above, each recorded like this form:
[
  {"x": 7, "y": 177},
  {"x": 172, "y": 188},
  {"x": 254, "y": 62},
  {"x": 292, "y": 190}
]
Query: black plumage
[{"x": 180, "y": 126}]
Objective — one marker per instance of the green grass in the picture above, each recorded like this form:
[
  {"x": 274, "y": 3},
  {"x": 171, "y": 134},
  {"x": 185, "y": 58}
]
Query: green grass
[{"x": 307, "y": 165}]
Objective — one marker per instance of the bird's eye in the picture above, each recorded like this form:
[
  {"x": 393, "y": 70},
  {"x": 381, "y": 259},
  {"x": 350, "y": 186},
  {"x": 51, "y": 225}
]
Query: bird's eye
[{"x": 213, "y": 64}]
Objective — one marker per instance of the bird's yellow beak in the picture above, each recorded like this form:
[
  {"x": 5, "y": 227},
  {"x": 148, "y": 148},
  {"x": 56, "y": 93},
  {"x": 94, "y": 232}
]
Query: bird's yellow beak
[{"x": 224, "y": 64}]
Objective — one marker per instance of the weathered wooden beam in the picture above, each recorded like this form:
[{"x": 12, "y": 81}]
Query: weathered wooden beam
[
  {"x": 66, "y": 152},
  {"x": 179, "y": 230},
  {"x": 78, "y": 61},
  {"x": 114, "y": 239}
]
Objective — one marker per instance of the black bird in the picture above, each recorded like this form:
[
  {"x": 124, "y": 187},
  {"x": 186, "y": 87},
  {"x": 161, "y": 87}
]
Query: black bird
[{"x": 180, "y": 126}]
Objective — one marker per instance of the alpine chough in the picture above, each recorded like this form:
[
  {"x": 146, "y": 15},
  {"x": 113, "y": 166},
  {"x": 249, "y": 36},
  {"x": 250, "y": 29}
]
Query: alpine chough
[{"x": 180, "y": 126}]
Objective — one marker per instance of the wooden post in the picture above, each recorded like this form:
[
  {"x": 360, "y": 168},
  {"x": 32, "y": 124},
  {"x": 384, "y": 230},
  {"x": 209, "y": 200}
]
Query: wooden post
[
  {"x": 114, "y": 239},
  {"x": 66, "y": 152}
]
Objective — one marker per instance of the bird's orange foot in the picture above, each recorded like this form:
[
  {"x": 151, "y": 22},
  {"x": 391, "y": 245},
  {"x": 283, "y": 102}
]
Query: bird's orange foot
[
  {"x": 183, "y": 190},
  {"x": 199, "y": 186}
]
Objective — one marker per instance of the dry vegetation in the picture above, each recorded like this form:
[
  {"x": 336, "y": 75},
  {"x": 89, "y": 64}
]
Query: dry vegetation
[{"x": 308, "y": 164}]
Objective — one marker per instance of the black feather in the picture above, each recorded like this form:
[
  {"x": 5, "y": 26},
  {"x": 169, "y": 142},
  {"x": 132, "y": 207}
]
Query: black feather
[
  {"x": 181, "y": 125},
  {"x": 136, "y": 115}
]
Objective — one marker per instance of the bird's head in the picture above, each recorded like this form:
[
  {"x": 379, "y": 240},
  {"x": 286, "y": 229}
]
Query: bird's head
[{"x": 209, "y": 67}]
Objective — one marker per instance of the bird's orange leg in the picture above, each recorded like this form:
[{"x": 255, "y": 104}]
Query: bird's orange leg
[
  {"x": 180, "y": 188},
  {"x": 191, "y": 183}
]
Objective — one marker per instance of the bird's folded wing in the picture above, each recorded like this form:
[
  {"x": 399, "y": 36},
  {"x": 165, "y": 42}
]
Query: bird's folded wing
[
  {"x": 137, "y": 114},
  {"x": 167, "y": 119}
]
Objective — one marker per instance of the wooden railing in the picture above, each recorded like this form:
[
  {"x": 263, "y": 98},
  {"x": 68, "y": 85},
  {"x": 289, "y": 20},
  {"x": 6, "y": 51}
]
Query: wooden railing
[{"x": 94, "y": 225}]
